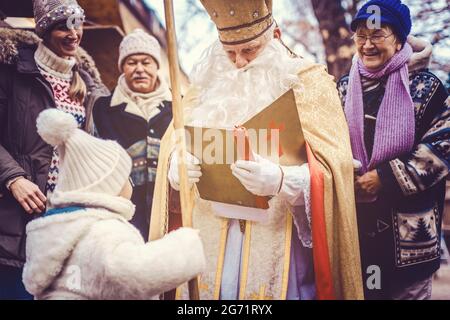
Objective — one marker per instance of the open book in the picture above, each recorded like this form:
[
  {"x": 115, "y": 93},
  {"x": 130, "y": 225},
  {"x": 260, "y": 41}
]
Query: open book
[{"x": 275, "y": 133}]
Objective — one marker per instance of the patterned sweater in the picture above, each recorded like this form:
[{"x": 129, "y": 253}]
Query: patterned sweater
[
  {"x": 58, "y": 72},
  {"x": 410, "y": 206}
]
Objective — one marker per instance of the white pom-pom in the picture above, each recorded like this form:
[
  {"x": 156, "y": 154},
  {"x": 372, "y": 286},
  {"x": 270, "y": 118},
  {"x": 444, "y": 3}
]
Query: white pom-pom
[{"x": 55, "y": 126}]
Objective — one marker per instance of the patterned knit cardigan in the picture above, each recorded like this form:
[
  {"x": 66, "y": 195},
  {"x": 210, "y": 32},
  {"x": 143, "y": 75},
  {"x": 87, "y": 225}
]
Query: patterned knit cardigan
[{"x": 413, "y": 185}]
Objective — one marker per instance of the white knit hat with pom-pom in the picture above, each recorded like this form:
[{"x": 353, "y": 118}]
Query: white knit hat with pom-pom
[{"x": 87, "y": 164}]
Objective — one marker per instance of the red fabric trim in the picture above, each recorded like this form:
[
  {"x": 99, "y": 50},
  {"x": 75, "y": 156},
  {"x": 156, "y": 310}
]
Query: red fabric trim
[
  {"x": 175, "y": 222},
  {"x": 322, "y": 267}
]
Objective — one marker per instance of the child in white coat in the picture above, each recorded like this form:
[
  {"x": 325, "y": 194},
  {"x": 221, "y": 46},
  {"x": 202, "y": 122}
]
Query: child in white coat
[{"x": 84, "y": 247}]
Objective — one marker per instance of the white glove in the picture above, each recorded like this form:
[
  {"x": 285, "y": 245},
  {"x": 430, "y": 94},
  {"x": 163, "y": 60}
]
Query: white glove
[
  {"x": 261, "y": 177},
  {"x": 296, "y": 185},
  {"x": 193, "y": 170},
  {"x": 356, "y": 165}
]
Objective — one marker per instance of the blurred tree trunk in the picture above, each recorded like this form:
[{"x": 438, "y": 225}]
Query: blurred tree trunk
[{"x": 335, "y": 33}]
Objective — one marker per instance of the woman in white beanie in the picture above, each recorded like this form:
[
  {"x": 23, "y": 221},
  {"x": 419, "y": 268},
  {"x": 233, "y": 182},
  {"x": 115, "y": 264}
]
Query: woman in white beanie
[{"x": 84, "y": 247}]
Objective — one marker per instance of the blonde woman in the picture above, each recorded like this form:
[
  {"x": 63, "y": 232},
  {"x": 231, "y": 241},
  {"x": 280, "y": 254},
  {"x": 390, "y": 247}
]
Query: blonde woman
[{"x": 49, "y": 71}]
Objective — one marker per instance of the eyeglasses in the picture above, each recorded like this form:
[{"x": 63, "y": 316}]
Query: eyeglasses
[{"x": 377, "y": 39}]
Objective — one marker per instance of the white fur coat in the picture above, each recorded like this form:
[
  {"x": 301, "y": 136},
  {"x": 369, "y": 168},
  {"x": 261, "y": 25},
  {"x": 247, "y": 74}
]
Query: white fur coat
[{"x": 96, "y": 254}]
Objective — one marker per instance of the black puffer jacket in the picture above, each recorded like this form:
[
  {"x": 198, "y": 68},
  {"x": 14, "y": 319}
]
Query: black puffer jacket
[{"x": 24, "y": 93}]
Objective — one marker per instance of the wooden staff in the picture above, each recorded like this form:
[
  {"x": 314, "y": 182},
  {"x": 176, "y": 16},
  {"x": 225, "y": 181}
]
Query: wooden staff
[{"x": 178, "y": 121}]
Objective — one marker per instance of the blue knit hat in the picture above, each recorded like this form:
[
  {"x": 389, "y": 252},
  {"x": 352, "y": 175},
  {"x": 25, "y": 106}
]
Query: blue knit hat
[{"x": 393, "y": 12}]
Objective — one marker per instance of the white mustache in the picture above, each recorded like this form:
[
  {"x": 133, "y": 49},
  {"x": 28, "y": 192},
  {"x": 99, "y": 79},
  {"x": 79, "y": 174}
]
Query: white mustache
[{"x": 141, "y": 78}]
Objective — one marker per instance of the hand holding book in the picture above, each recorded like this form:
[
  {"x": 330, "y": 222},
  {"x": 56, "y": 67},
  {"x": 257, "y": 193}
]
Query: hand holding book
[
  {"x": 193, "y": 170},
  {"x": 261, "y": 176},
  {"x": 276, "y": 137}
]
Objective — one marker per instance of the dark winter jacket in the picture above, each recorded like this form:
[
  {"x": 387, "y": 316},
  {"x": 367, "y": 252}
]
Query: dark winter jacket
[
  {"x": 24, "y": 93},
  {"x": 401, "y": 231},
  {"x": 141, "y": 139}
]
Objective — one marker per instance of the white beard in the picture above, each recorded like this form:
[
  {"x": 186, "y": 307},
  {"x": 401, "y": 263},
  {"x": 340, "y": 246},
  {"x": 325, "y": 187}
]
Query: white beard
[{"x": 229, "y": 96}]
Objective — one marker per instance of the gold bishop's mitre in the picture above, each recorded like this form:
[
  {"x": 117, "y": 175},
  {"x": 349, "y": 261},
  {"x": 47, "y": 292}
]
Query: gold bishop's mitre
[{"x": 239, "y": 21}]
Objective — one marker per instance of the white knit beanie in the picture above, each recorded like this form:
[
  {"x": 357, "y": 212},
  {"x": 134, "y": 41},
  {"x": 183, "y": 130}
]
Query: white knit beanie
[
  {"x": 139, "y": 42},
  {"x": 87, "y": 164}
]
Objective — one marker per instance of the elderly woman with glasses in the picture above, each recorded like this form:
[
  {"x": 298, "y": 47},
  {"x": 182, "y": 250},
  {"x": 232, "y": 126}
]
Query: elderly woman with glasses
[{"x": 400, "y": 134}]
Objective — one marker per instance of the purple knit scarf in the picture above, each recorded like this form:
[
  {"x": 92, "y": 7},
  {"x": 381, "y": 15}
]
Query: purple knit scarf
[{"x": 395, "y": 125}]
